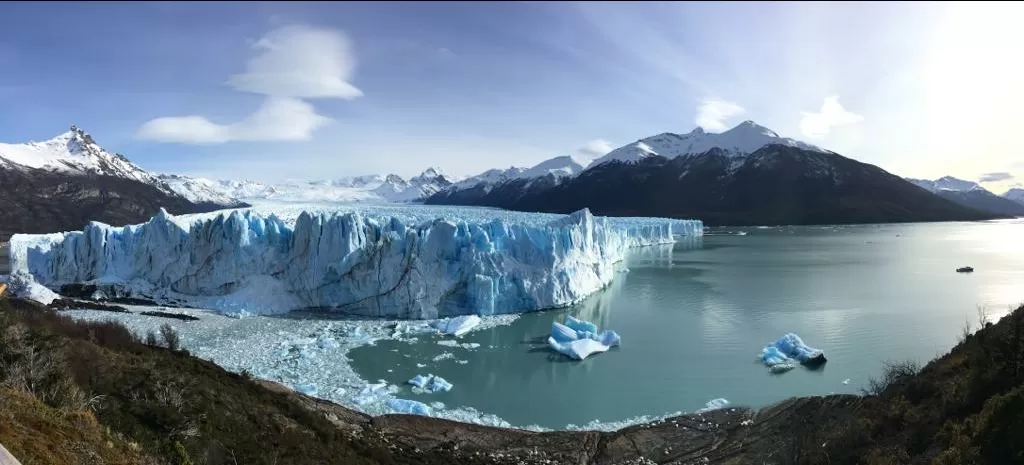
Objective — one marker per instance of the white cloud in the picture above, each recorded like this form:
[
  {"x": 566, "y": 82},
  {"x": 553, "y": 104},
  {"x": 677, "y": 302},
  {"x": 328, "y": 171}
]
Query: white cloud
[
  {"x": 595, "y": 148},
  {"x": 302, "y": 62},
  {"x": 713, "y": 113},
  {"x": 818, "y": 125},
  {"x": 292, "y": 63},
  {"x": 278, "y": 119}
]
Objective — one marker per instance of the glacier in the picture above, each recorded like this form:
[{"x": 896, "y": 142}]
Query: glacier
[{"x": 358, "y": 262}]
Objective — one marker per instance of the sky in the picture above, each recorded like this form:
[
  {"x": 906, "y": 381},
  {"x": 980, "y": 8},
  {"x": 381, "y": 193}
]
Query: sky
[{"x": 292, "y": 90}]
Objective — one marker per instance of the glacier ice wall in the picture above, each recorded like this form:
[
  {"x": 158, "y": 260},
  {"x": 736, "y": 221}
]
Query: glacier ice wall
[{"x": 242, "y": 261}]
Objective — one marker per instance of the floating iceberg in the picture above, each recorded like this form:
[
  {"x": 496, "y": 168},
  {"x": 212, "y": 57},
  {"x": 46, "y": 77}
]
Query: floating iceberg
[
  {"x": 351, "y": 262},
  {"x": 409, "y": 407},
  {"x": 457, "y": 326},
  {"x": 419, "y": 381},
  {"x": 307, "y": 389},
  {"x": 779, "y": 355},
  {"x": 431, "y": 383},
  {"x": 794, "y": 347},
  {"x": 439, "y": 384},
  {"x": 579, "y": 339}
]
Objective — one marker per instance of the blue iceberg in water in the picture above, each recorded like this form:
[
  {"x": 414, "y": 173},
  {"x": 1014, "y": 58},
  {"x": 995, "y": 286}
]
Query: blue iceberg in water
[
  {"x": 432, "y": 383},
  {"x": 439, "y": 384},
  {"x": 419, "y": 381},
  {"x": 794, "y": 347},
  {"x": 779, "y": 355},
  {"x": 409, "y": 406},
  {"x": 579, "y": 339}
]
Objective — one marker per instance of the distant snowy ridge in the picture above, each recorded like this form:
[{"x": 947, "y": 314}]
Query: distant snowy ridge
[
  {"x": 561, "y": 167},
  {"x": 199, "y": 190},
  {"x": 947, "y": 183},
  {"x": 744, "y": 139},
  {"x": 970, "y": 194},
  {"x": 379, "y": 267},
  {"x": 1015, "y": 194},
  {"x": 367, "y": 188},
  {"x": 75, "y": 152}
]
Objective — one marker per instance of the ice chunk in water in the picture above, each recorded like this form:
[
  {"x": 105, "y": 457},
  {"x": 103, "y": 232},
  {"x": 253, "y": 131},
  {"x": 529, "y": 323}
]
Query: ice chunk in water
[
  {"x": 609, "y": 338},
  {"x": 794, "y": 347},
  {"x": 431, "y": 383},
  {"x": 439, "y": 384},
  {"x": 307, "y": 389},
  {"x": 778, "y": 355},
  {"x": 409, "y": 406},
  {"x": 772, "y": 356},
  {"x": 562, "y": 333},
  {"x": 457, "y": 326},
  {"x": 580, "y": 325},
  {"x": 578, "y": 349},
  {"x": 578, "y": 338},
  {"x": 419, "y": 381}
]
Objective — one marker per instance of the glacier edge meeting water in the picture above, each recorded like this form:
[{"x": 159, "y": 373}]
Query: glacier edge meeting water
[{"x": 244, "y": 262}]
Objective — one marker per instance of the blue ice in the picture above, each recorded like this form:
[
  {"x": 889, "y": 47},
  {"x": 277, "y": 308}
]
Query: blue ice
[
  {"x": 409, "y": 407},
  {"x": 579, "y": 339}
]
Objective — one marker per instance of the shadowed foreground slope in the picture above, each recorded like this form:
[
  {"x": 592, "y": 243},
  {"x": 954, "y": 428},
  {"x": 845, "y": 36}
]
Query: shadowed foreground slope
[{"x": 94, "y": 393}]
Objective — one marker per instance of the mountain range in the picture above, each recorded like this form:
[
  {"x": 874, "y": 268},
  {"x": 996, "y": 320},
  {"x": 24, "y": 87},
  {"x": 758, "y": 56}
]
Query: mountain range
[
  {"x": 748, "y": 175},
  {"x": 971, "y": 194},
  {"x": 368, "y": 188}
]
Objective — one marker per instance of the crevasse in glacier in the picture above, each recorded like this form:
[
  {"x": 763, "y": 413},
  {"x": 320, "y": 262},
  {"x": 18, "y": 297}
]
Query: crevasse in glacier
[{"x": 377, "y": 266}]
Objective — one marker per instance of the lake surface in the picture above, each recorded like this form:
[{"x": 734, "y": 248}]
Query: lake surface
[{"x": 694, "y": 316}]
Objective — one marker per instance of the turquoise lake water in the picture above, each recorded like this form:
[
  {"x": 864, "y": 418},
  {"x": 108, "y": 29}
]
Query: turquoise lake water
[{"x": 694, "y": 316}]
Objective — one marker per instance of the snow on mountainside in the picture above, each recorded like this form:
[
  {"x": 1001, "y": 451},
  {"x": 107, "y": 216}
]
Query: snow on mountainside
[
  {"x": 569, "y": 165},
  {"x": 199, "y": 190},
  {"x": 744, "y": 139},
  {"x": 1016, "y": 194},
  {"x": 371, "y": 188},
  {"x": 75, "y": 152},
  {"x": 947, "y": 183},
  {"x": 396, "y": 189},
  {"x": 561, "y": 167},
  {"x": 970, "y": 194}
]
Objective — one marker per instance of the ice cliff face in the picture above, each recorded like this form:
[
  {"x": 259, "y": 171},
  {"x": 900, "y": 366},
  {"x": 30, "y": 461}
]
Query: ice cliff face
[{"x": 347, "y": 262}]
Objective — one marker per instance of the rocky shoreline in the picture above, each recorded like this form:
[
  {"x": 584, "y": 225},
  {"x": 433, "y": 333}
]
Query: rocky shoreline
[{"x": 726, "y": 436}]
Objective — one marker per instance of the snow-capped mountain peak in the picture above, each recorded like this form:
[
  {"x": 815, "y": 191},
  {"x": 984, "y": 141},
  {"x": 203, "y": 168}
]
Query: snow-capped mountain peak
[
  {"x": 75, "y": 152},
  {"x": 743, "y": 139},
  {"x": 947, "y": 183},
  {"x": 566, "y": 165}
]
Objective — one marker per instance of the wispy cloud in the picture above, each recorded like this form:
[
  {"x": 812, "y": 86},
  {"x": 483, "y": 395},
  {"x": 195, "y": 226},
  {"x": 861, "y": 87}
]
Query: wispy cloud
[
  {"x": 595, "y": 148},
  {"x": 712, "y": 114},
  {"x": 817, "y": 125},
  {"x": 292, "y": 63},
  {"x": 996, "y": 177}
]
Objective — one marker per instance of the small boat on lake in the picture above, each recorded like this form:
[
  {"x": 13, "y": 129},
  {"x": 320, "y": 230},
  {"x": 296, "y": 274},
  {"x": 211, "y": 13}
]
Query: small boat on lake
[{"x": 965, "y": 269}]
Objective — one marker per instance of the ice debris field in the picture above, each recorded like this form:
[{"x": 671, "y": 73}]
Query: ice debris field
[{"x": 383, "y": 262}]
